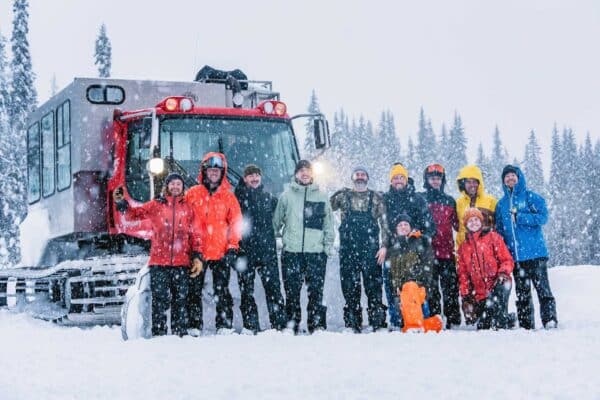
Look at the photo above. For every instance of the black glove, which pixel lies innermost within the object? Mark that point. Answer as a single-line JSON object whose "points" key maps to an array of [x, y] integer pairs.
{"points": [[230, 258]]}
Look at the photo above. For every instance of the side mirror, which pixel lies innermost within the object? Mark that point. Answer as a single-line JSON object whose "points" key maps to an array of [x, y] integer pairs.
{"points": [[321, 133]]}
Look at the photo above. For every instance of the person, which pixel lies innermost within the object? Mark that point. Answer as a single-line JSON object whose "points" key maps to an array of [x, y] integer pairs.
{"points": [[473, 194], [218, 218], [304, 214], [520, 215], [443, 212], [361, 253], [402, 198], [484, 267], [174, 245], [259, 251], [411, 260]]}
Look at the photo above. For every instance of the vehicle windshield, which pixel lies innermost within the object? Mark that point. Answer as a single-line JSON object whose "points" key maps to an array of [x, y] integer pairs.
{"points": [[267, 143]]}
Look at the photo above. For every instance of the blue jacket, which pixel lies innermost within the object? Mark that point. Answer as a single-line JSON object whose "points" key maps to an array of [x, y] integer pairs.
{"points": [[523, 236]]}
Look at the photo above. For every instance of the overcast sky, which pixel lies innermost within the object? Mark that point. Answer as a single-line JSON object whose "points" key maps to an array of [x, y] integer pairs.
{"points": [[520, 64]]}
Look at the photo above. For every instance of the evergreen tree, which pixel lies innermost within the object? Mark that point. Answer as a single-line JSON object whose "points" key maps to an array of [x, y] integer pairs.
{"points": [[498, 161], [410, 162], [22, 101], [586, 207], [457, 152], [484, 164], [53, 86], [388, 150], [595, 200], [425, 150], [6, 219], [444, 144], [555, 229], [309, 138], [103, 54], [532, 165]]}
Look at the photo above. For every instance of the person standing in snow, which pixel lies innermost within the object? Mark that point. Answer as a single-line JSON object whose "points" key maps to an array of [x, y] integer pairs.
{"points": [[402, 198], [473, 194], [174, 245], [411, 266], [520, 215], [443, 211], [362, 219], [484, 267], [218, 218], [304, 214], [258, 251]]}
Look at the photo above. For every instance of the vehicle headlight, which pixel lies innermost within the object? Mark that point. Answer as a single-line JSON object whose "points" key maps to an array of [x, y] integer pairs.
{"points": [[156, 166]]}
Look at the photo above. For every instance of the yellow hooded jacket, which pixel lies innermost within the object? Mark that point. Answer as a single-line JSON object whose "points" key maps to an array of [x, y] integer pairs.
{"points": [[486, 203]]}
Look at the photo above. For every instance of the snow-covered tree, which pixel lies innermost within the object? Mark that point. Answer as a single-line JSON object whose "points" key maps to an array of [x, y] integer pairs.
{"points": [[456, 151], [532, 165], [426, 144], [103, 54], [498, 160], [309, 138], [6, 220], [483, 162], [53, 86], [388, 150]]}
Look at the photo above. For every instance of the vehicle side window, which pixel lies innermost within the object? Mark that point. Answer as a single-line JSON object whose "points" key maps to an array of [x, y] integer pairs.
{"points": [[137, 179], [48, 162], [105, 94], [33, 163], [63, 145]]}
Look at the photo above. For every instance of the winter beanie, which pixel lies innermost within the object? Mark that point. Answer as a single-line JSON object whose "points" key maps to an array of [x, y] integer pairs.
{"points": [[472, 212], [508, 169], [252, 169], [401, 218], [302, 164], [359, 168], [398, 169], [172, 176]]}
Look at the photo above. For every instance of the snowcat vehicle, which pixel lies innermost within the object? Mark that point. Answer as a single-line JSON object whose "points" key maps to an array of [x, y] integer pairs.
{"points": [[80, 255]]}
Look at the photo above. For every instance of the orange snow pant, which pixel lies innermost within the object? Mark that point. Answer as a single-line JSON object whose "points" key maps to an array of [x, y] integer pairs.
{"points": [[412, 297]]}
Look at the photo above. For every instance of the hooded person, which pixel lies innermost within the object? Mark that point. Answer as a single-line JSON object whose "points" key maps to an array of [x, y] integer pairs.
{"points": [[443, 212], [473, 194], [259, 250], [401, 198], [361, 253], [304, 215], [484, 267], [218, 218], [411, 264], [175, 244], [520, 216]]}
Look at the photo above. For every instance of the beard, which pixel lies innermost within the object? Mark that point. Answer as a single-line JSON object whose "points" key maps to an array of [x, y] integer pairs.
{"points": [[360, 184]]}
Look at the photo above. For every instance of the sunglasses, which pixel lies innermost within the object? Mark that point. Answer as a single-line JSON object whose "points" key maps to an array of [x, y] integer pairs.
{"points": [[435, 168]]}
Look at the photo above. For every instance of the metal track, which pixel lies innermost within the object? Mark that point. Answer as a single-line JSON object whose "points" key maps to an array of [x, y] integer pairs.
{"points": [[79, 292]]}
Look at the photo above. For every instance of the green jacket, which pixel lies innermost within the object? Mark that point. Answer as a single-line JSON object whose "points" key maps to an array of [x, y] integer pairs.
{"points": [[411, 259], [305, 215]]}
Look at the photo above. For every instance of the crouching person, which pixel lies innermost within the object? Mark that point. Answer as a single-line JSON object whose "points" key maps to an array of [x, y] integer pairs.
{"points": [[484, 267], [411, 258], [174, 246]]}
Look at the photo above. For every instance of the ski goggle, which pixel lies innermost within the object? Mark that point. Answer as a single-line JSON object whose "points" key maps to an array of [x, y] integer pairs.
{"points": [[435, 168], [213, 162]]}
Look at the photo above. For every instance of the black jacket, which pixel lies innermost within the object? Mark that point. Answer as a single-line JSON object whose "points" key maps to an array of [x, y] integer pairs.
{"points": [[408, 201], [258, 236]]}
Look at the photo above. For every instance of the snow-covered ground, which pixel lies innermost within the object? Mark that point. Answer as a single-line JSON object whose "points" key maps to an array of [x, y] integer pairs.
{"points": [[40, 360]]}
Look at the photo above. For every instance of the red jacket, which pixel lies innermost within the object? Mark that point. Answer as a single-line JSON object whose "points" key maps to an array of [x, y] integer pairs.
{"points": [[443, 211], [173, 237], [218, 217], [480, 259]]}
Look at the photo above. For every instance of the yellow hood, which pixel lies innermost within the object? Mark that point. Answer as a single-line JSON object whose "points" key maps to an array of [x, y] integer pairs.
{"points": [[471, 172]]}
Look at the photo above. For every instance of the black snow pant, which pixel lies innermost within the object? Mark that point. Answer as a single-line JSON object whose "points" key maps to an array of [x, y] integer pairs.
{"points": [[525, 273], [170, 288], [220, 274], [351, 268], [269, 275], [296, 269], [444, 272], [493, 311]]}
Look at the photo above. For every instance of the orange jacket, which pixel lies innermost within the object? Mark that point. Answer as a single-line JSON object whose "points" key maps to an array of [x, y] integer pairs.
{"points": [[217, 216]]}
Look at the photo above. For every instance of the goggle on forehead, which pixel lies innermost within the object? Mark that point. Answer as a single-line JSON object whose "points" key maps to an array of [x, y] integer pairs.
{"points": [[213, 162], [435, 168]]}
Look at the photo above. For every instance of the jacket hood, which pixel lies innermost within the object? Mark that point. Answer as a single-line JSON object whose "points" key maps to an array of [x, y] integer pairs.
{"points": [[521, 185], [470, 172], [224, 182]]}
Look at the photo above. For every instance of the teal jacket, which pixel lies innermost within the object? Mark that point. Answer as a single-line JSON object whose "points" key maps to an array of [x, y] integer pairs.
{"points": [[305, 215]]}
